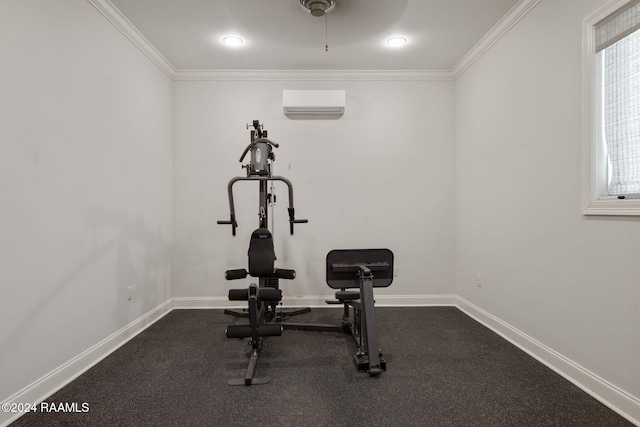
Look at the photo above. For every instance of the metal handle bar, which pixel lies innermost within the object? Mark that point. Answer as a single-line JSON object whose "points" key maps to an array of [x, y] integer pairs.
{"points": [[232, 209]]}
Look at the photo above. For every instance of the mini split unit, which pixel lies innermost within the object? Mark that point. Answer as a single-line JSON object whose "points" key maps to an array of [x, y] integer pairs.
{"points": [[313, 102]]}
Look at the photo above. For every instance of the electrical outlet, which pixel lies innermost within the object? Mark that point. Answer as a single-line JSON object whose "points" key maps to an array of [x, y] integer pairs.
{"points": [[129, 293], [478, 281]]}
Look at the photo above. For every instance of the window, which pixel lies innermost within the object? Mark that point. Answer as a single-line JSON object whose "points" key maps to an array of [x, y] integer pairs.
{"points": [[611, 78]]}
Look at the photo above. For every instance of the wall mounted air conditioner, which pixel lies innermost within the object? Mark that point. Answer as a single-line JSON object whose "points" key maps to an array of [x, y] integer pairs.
{"points": [[313, 102]]}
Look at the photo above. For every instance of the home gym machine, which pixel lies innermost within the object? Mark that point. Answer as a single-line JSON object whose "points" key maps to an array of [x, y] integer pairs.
{"points": [[263, 297], [259, 169], [354, 273], [364, 269]]}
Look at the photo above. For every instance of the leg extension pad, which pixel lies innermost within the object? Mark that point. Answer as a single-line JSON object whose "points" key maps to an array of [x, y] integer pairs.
{"points": [[264, 294], [244, 331]]}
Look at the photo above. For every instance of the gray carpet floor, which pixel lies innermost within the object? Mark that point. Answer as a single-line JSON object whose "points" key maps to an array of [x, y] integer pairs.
{"points": [[443, 369]]}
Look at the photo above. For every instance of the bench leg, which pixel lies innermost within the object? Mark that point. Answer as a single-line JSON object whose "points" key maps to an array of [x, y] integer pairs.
{"points": [[369, 333]]}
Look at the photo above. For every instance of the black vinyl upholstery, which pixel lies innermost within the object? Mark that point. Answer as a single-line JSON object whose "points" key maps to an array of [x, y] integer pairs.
{"points": [[261, 253]]}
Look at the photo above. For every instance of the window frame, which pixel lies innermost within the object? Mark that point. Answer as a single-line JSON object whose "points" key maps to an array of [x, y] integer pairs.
{"points": [[594, 157]]}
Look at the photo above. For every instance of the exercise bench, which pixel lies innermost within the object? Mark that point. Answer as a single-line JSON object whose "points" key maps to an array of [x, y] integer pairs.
{"points": [[363, 269], [260, 297]]}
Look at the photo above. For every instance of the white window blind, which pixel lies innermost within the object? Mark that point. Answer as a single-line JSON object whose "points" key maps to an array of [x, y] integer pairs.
{"points": [[618, 25], [618, 41]]}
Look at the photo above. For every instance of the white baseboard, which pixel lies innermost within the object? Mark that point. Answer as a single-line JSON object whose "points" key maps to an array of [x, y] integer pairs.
{"points": [[618, 400], [63, 375], [623, 403], [415, 300], [317, 301], [205, 302]]}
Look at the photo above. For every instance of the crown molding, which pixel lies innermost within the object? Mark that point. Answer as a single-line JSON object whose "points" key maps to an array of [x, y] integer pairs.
{"points": [[113, 15], [503, 26], [307, 75]]}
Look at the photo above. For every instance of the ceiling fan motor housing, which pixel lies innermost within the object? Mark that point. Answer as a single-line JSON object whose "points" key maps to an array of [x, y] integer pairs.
{"points": [[318, 7]]}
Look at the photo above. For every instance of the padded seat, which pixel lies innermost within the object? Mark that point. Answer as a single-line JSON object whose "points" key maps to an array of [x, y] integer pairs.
{"points": [[347, 295]]}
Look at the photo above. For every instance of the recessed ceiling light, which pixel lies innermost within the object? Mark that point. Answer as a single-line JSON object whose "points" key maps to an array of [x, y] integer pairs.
{"points": [[232, 41], [396, 41]]}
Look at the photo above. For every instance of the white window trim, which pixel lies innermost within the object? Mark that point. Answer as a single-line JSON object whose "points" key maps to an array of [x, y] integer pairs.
{"points": [[593, 162]]}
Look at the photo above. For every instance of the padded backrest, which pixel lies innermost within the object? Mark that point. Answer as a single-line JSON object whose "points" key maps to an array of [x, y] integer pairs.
{"points": [[261, 253], [343, 266]]}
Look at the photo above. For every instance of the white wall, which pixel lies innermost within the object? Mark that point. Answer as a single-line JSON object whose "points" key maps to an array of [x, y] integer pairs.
{"points": [[85, 178], [380, 176], [569, 281]]}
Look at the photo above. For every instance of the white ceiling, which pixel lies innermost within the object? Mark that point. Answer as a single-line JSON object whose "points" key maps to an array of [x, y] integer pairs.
{"points": [[280, 35]]}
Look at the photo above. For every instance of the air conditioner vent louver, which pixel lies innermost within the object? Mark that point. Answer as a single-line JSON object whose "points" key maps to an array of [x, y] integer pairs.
{"points": [[313, 102]]}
